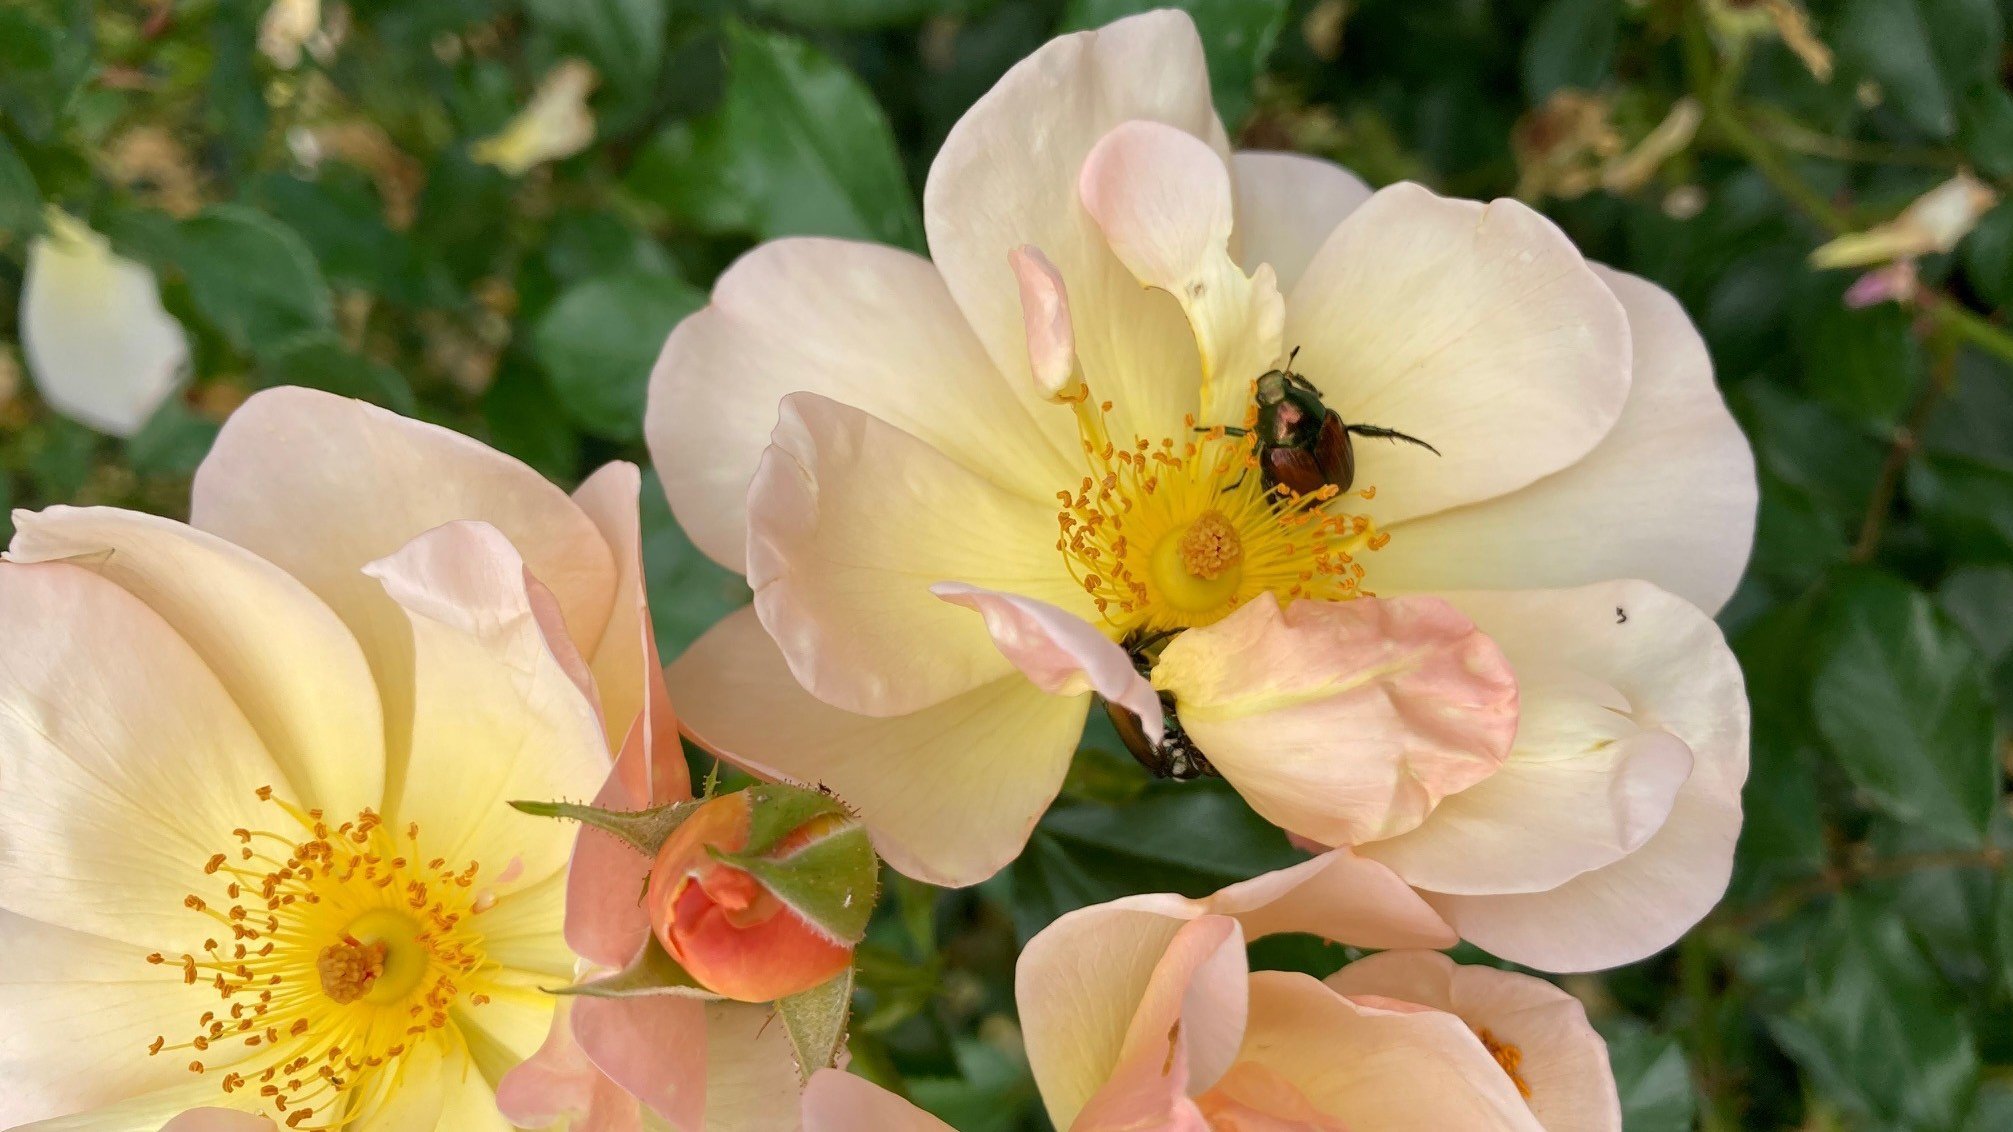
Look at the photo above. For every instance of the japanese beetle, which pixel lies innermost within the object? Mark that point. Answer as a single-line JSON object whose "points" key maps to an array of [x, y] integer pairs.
{"points": [[1176, 756], [1303, 445]]}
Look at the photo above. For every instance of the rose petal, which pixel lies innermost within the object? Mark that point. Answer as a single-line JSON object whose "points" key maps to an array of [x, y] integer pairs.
{"points": [[1061, 653]]}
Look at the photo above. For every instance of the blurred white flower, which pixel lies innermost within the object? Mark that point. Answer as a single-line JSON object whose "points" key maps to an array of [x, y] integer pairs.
{"points": [[557, 124], [286, 28], [1933, 222], [99, 346]]}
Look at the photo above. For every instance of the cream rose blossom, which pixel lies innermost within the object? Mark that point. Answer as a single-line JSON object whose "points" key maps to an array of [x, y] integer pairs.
{"points": [[1143, 1014], [1043, 425], [255, 861]]}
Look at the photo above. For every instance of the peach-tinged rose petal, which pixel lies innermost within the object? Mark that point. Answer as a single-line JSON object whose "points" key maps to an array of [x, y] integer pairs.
{"points": [[654, 1047], [1407, 1066], [1344, 721], [1286, 207], [1059, 652], [489, 694], [624, 659], [1337, 895], [868, 326], [286, 660], [1584, 787], [605, 922], [1162, 198], [852, 609], [837, 1101], [1559, 1059], [1672, 667], [559, 1084], [1668, 495], [976, 208], [1149, 1085], [1443, 319], [949, 794], [1252, 1098], [289, 453], [1106, 983], [1051, 339]]}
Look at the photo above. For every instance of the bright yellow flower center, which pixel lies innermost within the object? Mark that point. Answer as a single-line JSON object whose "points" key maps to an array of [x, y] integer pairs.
{"points": [[1176, 533], [343, 950]]}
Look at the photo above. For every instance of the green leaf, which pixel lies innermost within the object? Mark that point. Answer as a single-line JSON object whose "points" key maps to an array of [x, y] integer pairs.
{"points": [[1653, 1077], [855, 14], [1985, 129], [1924, 53], [251, 276], [797, 147], [599, 340], [20, 198], [1969, 503], [1900, 696], [1572, 45], [1774, 653], [653, 972], [172, 442], [1866, 363], [815, 1020], [778, 809], [318, 359], [624, 39], [642, 830], [1875, 1027], [1979, 599], [1237, 39], [1988, 254], [1088, 853]]}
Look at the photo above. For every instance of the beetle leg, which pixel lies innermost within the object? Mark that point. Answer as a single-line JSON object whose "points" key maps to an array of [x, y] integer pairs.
{"points": [[1391, 434]]}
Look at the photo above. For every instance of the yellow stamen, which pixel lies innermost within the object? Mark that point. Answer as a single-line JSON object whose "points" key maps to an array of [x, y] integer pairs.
{"points": [[1509, 1057], [1175, 533], [338, 953]]}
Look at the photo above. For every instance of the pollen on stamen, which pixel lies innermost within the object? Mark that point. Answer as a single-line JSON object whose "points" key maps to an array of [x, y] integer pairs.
{"points": [[309, 1006], [1145, 492]]}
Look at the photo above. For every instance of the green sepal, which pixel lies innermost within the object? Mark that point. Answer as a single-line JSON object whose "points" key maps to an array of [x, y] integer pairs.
{"points": [[778, 809], [816, 1022], [832, 882], [642, 830], [652, 972]]}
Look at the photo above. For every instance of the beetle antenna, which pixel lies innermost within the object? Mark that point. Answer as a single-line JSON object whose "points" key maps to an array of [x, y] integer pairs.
{"points": [[1290, 357], [1391, 434]]}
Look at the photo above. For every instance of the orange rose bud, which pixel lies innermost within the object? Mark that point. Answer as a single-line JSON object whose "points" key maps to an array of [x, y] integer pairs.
{"points": [[763, 893]]}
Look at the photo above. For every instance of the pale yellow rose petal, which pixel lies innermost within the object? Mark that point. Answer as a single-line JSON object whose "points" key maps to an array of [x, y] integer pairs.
{"points": [[1049, 111], [1287, 205], [127, 763], [950, 794], [852, 522], [1561, 1061], [286, 660], [495, 715], [1477, 328], [864, 325], [1668, 495], [1378, 1064]]}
